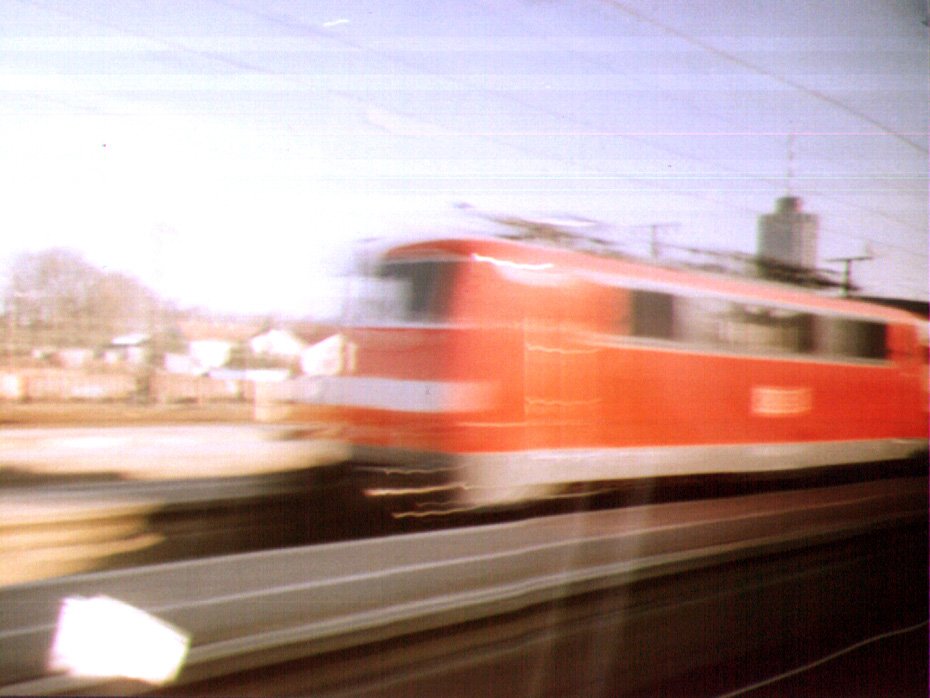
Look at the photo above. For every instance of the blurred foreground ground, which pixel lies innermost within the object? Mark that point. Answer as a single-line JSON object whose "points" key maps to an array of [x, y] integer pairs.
{"points": [[83, 486], [110, 414]]}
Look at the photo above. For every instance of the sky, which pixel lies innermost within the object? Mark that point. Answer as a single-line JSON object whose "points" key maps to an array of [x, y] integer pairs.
{"points": [[232, 153]]}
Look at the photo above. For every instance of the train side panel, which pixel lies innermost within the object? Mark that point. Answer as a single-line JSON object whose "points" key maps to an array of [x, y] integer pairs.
{"points": [[521, 371]]}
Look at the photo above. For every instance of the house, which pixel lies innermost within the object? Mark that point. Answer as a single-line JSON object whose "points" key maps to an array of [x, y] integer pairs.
{"points": [[327, 357], [127, 349], [210, 344], [277, 343], [324, 350], [74, 357]]}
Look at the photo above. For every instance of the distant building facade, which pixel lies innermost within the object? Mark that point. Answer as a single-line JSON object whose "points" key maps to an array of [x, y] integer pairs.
{"points": [[788, 235]]}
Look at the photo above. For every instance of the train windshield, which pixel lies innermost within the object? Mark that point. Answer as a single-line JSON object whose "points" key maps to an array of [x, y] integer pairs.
{"points": [[407, 291]]}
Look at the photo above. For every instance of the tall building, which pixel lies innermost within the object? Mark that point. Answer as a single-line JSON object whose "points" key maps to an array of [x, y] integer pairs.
{"points": [[789, 236]]}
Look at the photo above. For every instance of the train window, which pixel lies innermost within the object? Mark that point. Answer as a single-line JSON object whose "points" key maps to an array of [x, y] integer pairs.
{"points": [[732, 326], [422, 290], [761, 328], [702, 321], [652, 314], [860, 339], [798, 332], [719, 324]]}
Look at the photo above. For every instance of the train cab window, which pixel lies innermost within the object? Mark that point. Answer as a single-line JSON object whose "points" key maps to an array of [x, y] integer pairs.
{"points": [[418, 291], [845, 337], [652, 314]]}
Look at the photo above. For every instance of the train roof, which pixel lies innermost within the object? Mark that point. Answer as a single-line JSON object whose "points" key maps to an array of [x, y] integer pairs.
{"points": [[621, 270]]}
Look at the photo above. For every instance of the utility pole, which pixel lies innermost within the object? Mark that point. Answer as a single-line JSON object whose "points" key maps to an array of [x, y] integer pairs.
{"points": [[847, 269], [655, 244]]}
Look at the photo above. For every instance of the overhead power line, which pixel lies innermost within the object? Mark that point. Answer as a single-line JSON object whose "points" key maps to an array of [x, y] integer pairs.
{"points": [[255, 66], [847, 263], [748, 65]]}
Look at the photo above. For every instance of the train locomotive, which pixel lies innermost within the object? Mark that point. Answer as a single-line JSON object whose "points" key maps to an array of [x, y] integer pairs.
{"points": [[487, 372]]}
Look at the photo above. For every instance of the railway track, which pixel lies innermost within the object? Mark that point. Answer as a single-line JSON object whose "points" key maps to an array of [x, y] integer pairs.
{"points": [[250, 611], [142, 495]]}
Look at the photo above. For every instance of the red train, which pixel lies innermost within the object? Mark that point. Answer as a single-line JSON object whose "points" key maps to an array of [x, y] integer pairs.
{"points": [[494, 371]]}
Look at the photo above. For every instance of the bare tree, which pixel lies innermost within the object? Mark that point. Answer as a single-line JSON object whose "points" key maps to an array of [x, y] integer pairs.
{"points": [[57, 297]]}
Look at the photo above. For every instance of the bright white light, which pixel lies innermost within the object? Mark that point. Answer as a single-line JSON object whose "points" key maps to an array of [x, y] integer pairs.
{"points": [[105, 638], [511, 265]]}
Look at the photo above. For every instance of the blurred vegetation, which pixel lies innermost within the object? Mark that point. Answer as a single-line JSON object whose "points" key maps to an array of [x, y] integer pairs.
{"points": [[56, 298]]}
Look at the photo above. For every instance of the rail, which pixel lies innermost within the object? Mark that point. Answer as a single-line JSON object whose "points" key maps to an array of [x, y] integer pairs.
{"points": [[262, 608]]}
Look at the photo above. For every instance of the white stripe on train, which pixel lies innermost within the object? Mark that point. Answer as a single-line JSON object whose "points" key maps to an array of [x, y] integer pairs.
{"points": [[397, 395]]}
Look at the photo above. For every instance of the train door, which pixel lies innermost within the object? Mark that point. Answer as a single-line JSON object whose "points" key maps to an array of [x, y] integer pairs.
{"points": [[560, 382], [542, 370]]}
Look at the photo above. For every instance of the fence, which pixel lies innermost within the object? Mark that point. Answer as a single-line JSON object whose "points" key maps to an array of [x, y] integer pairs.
{"points": [[176, 387], [65, 385]]}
